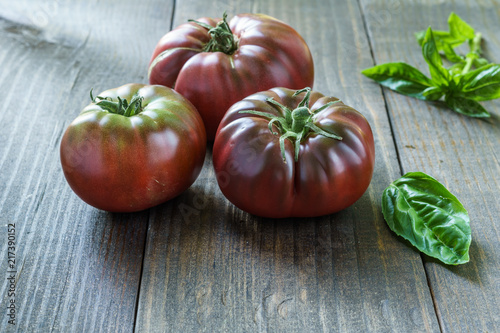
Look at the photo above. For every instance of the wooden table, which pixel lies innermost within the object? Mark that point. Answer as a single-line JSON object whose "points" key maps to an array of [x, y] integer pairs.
{"points": [[197, 263]]}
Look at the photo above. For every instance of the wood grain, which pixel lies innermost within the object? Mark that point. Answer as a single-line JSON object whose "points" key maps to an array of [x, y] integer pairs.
{"points": [[210, 267], [462, 153], [197, 263], [78, 269]]}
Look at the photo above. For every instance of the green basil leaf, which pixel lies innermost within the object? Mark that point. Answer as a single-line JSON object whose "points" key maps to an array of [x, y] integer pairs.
{"points": [[432, 93], [440, 38], [445, 41], [459, 28], [456, 69], [480, 62], [466, 106], [420, 36], [421, 210], [450, 53], [400, 77], [431, 55], [481, 84]]}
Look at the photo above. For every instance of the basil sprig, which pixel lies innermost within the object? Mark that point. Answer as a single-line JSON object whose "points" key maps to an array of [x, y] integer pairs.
{"points": [[468, 80], [421, 210]]}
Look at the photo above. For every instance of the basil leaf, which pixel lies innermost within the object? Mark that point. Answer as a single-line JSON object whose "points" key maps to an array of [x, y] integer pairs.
{"points": [[432, 93], [450, 53], [420, 36], [420, 209], [441, 38], [400, 77], [480, 62], [431, 55], [466, 106], [459, 28], [481, 84], [456, 69], [445, 41]]}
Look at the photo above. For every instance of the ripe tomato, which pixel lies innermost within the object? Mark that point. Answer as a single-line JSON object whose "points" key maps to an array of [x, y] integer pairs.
{"points": [[284, 153], [135, 147], [215, 64]]}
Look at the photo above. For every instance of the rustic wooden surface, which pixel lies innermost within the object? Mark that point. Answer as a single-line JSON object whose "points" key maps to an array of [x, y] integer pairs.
{"points": [[197, 263]]}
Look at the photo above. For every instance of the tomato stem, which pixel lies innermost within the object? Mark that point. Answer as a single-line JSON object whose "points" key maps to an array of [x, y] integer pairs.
{"points": [[121, 106], [296, 124], [222, 38]]}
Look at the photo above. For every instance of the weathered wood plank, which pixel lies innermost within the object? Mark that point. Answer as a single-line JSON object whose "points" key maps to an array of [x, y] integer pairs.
{"points": [[78, 269], [460, 152], [211, 267], [208, 266]]}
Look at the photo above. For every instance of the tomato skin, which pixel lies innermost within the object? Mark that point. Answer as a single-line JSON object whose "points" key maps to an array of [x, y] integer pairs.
{"points": [[125, 164], [270, 54], [328, 176]]}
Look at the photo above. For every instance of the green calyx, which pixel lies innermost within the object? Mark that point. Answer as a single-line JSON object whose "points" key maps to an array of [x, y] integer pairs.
{"points": [[121, 107], [222, 38], [296, 124]]}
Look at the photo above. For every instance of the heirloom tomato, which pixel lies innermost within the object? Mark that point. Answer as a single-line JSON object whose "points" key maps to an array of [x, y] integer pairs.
{"points": [[214, 63], [285, 153], [134, 147]]}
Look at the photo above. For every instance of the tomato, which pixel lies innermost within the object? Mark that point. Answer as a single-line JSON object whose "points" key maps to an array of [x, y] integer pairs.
{"points": [[285, 153], [215, 64], [123, 159]]}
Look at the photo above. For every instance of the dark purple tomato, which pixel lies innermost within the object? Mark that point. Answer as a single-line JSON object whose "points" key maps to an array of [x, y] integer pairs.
{"points": [[214, 63], [285, 153], [134, 147]]}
